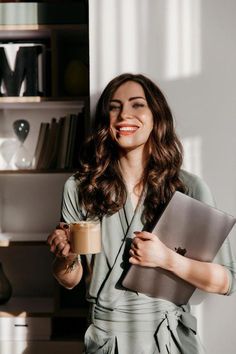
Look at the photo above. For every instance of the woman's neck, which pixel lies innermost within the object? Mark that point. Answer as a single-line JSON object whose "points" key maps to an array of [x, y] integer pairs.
{"points": [[132, 165]]}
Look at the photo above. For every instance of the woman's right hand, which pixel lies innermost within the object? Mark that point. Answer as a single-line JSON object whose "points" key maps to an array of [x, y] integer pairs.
{"points": [[59, 240], [67, 267]]}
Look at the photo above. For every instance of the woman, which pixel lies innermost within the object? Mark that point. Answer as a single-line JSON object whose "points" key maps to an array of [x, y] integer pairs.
{"points": [[130, 170]]}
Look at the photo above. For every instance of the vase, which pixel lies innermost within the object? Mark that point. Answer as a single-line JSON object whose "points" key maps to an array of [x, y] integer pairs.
{"points": [[5, 287]]}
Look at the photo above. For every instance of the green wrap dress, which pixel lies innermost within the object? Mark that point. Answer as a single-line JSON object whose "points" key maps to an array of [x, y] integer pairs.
{"points": [[127, 322]]}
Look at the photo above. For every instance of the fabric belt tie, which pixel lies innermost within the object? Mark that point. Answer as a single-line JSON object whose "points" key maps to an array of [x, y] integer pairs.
{"points": [[164, 327], [167, 328]]}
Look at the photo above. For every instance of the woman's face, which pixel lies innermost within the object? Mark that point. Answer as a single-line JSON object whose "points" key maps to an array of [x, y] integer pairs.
{"points": [[131, 120]]}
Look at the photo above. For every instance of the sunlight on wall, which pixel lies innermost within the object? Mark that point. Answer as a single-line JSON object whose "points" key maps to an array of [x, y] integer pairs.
{"points": [[193, 154], [113, 40], [183, 38], [161, 39], [193, 163]]}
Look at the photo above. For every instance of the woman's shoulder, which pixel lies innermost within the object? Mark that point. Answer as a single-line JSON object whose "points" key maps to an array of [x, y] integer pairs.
{"points": [[196, 187], [71, 183], [71, 209], [71, 187]]}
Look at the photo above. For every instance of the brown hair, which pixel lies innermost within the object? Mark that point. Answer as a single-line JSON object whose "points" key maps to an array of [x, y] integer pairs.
{"points": [[102, 190]]}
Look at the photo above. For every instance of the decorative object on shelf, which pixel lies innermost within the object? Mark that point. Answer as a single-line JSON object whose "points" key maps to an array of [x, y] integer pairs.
{"points": [[23, 158], [5, 287], [76, 78], [7, 150], [22, 69]]}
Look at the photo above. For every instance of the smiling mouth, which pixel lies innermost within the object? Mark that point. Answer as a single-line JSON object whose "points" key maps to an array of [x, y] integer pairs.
{"points": [[127, 130]]}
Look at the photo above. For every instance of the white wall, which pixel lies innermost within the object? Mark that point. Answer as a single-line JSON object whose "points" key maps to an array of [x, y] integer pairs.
{"points": [[188, 47]]}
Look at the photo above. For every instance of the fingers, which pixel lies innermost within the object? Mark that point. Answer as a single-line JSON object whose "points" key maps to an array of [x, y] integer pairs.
{"points": [[144, 235], [136, 248], [134, 253], [140, 238], [134, 260], [56, 236], [58, 240], [138, 245], [65, 227]]}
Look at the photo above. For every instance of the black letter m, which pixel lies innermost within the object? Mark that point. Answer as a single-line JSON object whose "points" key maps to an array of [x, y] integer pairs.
{"points": [[26, 67]]}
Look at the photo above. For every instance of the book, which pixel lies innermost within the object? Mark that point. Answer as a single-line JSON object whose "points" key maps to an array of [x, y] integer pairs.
{"points": [[48, 145], [39, 150], [71, 140], [63, 143], [52, 147]]}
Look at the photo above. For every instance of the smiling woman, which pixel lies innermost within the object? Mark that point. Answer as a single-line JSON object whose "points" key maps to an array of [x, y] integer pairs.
{"points": [[129, 170], [131, 120], [134, 144]]}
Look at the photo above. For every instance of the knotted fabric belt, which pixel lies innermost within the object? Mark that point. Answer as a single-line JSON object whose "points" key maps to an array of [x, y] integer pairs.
{"points": [[167, 328], [163, 325]]}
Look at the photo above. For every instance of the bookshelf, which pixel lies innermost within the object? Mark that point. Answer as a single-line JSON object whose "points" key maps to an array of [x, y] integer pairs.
{"points": [[30, 199]]}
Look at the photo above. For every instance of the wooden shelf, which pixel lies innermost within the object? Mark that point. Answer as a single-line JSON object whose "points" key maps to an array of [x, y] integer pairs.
{"points": [[13, 238], [64, 32], [38, 102], [46, 28], [36, 171]]}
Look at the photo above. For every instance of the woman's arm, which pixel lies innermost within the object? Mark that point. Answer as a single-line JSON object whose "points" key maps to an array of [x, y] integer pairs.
{"points": [[68, 271], [67, 268], [148, 250]]}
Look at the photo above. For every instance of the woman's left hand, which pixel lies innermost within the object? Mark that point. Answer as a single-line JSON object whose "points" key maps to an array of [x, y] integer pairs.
{"points": [[147, 250]]}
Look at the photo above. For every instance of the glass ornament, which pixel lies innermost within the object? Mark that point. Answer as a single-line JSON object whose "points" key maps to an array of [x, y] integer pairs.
{"points": [[7, 149], [23, 158]]}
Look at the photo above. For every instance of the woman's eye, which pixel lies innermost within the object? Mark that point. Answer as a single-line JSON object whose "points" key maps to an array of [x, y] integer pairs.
{"points": [[138, 105], [114, 108]]}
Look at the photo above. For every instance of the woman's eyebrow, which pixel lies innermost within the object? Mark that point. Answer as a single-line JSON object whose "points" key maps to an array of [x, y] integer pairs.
{"points": [[134, 98], [130, 99]]}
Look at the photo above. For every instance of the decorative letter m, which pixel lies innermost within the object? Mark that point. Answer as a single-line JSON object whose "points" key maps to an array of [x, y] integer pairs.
{"points": [[25, 70]]}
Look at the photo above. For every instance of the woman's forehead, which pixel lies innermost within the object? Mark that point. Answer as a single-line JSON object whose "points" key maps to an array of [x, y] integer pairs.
{"points": [[127, 90]]}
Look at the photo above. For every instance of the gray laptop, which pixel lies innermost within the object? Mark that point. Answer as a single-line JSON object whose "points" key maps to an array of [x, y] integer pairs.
{"points": [[191, 228]]}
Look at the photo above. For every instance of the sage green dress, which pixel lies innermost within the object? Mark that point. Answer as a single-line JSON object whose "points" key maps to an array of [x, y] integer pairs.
{"points": [[126, 322]]}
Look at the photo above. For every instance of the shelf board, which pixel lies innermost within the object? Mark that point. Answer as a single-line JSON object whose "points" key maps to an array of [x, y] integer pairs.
{"points": [[42, 102], [15, 238], [47, 28], [27, 306], [25, 99], [37, 171]]}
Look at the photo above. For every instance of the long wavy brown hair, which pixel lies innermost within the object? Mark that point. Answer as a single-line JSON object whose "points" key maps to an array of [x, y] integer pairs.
{"points": [[102, 190]]}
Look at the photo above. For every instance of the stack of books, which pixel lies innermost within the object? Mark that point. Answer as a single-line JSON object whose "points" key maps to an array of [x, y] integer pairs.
{"points": [[58, 142]]}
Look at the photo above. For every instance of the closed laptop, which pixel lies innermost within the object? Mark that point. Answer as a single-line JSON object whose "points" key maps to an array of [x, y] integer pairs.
{"points": [[191, 228]]}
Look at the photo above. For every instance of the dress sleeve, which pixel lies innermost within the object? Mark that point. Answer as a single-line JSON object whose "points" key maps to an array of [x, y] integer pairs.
{"points": [[225, 257], [71, 210]]}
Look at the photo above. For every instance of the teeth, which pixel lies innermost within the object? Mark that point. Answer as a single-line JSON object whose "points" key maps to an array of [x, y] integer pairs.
{"points": [[127, 128]]}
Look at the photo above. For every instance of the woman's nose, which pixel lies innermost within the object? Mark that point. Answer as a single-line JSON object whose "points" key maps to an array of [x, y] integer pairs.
{"points": [[125, 112]]}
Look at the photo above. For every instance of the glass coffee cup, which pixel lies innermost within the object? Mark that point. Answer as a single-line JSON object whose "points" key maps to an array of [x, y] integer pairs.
{"points": [[85, 237]]}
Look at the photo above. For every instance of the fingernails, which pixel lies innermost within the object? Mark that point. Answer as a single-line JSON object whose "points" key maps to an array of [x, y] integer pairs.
{"points": [[65, 226], [136, 232]]}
